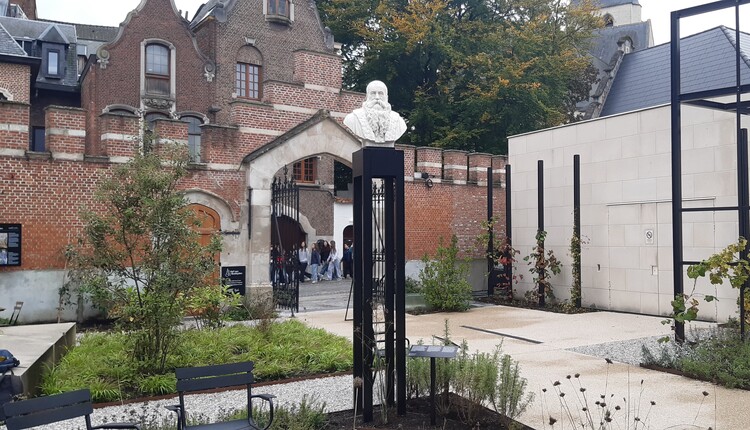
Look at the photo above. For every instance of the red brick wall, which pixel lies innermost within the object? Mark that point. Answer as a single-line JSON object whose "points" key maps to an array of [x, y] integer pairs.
{"points": [[478, 164], [316, 68], [122, 76], [119, 134], [45, 197], [14, 123], [16, 79], [65, 129]]}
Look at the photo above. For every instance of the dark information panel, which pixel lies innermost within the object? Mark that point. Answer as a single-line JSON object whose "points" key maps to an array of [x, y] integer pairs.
{"points": [[10, 244], [234, 278]]}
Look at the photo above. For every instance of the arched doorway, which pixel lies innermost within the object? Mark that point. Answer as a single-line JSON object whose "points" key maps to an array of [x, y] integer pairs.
{"points": [[318, 135], [209, 224], [349, 235]]}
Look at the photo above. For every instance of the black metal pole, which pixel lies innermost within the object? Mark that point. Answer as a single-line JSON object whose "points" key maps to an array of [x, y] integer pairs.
{"points": [[577, 222], [491, 242], [433, 405], [508, 229], [540, 230], [676, 124], [742, 167], [401, 351], [744, 216], [358, 287]]}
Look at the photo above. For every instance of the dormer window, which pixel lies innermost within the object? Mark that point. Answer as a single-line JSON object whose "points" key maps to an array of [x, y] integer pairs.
{"points": [[281, 11], [157, 69], [53, 60]]}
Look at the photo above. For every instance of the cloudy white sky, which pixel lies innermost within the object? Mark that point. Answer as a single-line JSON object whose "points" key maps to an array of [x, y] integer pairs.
{"points": [[113, 12]]}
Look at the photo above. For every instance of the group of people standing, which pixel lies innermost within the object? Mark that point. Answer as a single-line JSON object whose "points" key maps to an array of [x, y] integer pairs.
{"points": [[325, 261]]}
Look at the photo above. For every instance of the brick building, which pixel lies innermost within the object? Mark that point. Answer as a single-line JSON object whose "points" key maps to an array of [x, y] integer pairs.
{"points": [[252, 87]]}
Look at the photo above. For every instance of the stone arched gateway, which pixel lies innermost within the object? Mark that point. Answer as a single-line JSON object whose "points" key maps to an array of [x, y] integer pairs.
{"points": [[319, 135]]}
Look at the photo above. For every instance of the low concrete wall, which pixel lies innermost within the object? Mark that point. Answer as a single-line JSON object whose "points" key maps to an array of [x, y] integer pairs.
{"points": [[37, 347]]}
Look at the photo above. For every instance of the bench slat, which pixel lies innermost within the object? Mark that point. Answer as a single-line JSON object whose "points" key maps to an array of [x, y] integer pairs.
{"points": [[214, 382], [48, 402], [42, 417], [221, 369]]}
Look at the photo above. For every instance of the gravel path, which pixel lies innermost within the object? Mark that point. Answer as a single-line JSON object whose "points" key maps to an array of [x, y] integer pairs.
{"points": [[335, 391]]}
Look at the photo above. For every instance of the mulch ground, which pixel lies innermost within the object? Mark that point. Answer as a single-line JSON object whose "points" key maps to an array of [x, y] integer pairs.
{"points": [[418, 417]]}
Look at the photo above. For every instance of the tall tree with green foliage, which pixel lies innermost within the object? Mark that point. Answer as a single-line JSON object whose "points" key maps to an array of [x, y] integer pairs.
{"points": [[139, 256], [468, 73]]}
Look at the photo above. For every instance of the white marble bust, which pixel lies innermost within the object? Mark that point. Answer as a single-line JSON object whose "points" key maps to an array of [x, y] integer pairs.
{"points": [[375, 123]]}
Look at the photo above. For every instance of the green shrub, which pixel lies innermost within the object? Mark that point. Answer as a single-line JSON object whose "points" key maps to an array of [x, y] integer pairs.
{"points": [[209, 303], [444, 281], [412, 286]]}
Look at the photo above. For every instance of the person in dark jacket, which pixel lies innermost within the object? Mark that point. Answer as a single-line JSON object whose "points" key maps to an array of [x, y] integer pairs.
{"points": [[314, 262], [346, 261]]}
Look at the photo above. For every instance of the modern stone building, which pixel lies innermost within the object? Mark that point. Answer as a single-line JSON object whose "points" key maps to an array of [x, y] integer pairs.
{"points": [[626, 180]]}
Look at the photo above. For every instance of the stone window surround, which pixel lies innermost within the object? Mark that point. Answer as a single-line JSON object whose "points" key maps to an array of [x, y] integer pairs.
{"points": [[172, 65], [289, 18], [6, 95]]}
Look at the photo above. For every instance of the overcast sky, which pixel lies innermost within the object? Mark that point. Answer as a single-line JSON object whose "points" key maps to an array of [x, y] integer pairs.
{"points": [[111, 13]]}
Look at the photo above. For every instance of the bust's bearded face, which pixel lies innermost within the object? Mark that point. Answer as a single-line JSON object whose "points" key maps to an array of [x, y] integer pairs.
{"points": [[377, 98]]}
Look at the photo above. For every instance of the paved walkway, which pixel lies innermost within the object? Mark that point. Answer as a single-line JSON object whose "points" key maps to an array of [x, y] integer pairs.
{"points": [[540, 342]]}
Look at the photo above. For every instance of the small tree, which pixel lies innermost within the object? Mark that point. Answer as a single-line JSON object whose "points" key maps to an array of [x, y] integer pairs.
{"points": [[503, 255], [543, 264], [444, 281], [139, 256]]}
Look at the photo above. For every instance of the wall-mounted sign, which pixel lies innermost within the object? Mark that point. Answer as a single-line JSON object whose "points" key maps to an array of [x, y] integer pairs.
{"points": [[10, 244], [649, 234], [234, 278]]}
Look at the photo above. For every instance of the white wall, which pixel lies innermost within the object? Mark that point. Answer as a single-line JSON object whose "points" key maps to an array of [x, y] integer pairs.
{"points": [[343, 215], [625, 193]]}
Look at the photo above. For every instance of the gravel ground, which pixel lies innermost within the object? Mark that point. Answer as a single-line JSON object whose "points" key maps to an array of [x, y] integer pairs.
{"points": [[630, 351], [335, 391]]}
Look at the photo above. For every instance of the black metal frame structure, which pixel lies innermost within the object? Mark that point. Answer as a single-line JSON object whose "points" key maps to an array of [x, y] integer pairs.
{"points": [[702, 99], [379, 275], [284, 262], [577, 222], [540, 228]]}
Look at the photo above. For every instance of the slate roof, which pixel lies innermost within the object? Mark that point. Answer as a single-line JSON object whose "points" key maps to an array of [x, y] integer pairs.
{"points": [[209, 8], [8, 45], [26, 28], [90, 32], [606, 39], [708, 62], [609, 3]]}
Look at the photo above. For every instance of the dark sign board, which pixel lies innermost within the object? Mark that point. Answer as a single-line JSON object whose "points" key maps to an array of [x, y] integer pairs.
{"points": [[234, 278], [10, 244]]}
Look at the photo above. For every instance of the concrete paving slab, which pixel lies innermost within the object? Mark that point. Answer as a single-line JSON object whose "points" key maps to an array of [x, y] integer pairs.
{"points": [[678, 401]]}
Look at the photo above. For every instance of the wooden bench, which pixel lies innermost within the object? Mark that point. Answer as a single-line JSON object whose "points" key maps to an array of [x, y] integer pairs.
{"points": [[193, 379], [51, 409]]}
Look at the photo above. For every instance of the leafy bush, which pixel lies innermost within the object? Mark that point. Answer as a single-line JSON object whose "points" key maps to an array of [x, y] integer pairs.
{"points": [[208, 304], [102, 360], [412, 286], [721, 357], [482, 378], [444, 281]]}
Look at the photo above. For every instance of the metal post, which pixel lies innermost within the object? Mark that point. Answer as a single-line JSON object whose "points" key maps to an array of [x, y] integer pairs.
{"points": [[358, 287], [577, 220], [368, 334], [508, 228], [743, 190], [401, 352], [433, 405], [742, 167], [676, 124], [540, 229], [490, 243]]}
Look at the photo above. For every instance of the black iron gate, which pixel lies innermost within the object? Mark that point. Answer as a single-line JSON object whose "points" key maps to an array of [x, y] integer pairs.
{"points": [[285, 240]]}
